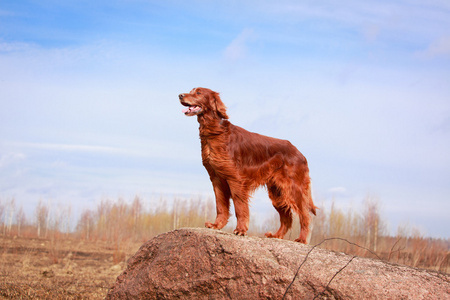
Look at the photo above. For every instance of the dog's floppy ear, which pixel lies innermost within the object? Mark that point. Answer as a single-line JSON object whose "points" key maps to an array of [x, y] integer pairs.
{"points": [[221, 109]]}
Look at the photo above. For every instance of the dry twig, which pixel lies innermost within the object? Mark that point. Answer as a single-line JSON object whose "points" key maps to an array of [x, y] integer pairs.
{"points": [[306, 257]]}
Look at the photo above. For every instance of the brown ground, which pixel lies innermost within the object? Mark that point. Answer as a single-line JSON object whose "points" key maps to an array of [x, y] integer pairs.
{"points": [[64, 269]]}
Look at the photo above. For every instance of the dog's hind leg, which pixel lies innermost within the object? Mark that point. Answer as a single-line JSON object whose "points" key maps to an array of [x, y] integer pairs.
{"points": [[304, 207], [284, 210]]}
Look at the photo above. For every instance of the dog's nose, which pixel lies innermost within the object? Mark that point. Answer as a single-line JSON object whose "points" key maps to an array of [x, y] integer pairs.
{"points": [[181, 96]]}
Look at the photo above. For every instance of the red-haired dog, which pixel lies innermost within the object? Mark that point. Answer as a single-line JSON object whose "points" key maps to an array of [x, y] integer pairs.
{"points": [[239, 161]]}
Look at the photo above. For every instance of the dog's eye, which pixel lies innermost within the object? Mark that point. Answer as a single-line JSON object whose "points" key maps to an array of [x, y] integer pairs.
{"points": [[198, 93]]}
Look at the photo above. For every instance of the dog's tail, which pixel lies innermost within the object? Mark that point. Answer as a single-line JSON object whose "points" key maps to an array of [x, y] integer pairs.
{"points": [[312, 207]]}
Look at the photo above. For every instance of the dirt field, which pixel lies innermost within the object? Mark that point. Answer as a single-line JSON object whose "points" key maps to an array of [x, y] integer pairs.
{"points": [[63, 269]]}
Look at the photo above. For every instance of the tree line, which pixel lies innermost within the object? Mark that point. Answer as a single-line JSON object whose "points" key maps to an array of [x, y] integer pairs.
{"points": [[120, 221]]}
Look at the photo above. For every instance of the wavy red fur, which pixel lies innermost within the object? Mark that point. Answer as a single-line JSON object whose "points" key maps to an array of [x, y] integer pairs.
{"points": [[239, 161]]}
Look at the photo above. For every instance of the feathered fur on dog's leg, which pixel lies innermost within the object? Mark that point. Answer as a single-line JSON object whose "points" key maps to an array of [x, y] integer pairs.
{"points": [[222, 193]]}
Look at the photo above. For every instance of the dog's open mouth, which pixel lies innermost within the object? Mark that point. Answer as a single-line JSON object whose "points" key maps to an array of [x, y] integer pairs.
{"points": [[191, 110]]}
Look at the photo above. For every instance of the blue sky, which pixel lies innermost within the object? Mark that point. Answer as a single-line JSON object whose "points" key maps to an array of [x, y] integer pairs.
{"points": [[89, 108]]}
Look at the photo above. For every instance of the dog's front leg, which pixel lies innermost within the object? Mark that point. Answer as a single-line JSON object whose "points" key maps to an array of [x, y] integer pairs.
{"points": [[222, 193], [242, 215], [240, 199]]}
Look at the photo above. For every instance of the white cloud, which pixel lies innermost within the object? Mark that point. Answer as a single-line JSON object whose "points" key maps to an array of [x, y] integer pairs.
{"points": [[338, 190], [14, 46], [70, 147], [237, 49], [9, 158], [156, 149], [439, 47], [371, 32]]}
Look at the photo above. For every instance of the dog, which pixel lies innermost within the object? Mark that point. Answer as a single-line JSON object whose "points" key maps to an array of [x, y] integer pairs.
{"points": [[239, 161]]}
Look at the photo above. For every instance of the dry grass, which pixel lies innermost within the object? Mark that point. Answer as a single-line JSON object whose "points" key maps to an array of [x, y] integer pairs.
{"points": [[65, 269]]}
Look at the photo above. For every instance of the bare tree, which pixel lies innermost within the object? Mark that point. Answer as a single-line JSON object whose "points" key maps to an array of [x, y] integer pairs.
{"points": [[2, 211], [42, 217], [136, 214], [20, 220], [372, 222], [102, 216], [85, 225], [68, 216], [7, 225]]}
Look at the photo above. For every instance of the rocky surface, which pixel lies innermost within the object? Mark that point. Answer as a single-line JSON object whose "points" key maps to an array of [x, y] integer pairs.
{"points": [[207, 264]]}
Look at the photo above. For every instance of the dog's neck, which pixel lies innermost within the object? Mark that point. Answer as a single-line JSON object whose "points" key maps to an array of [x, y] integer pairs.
{"points": [[210, 127]]}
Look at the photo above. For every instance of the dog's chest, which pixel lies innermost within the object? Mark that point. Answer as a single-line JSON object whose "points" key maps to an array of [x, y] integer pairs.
{"points": [[206, 152], [213, 155]]}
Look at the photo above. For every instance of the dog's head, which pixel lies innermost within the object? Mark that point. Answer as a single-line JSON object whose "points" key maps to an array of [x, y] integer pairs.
{"points": [[202, 101]]}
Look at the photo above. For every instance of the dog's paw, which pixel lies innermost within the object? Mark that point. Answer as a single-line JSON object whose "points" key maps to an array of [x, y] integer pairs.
{"points": [[239, 232], [269, 235], [272, 236], [211, 225], [301, 240]]}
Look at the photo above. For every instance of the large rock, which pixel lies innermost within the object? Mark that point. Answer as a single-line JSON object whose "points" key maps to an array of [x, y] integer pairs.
{"points": [[208, 264]]}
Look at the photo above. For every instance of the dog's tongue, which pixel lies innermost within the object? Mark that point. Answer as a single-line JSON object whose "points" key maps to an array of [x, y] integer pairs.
{"points": [[190, 109]]}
